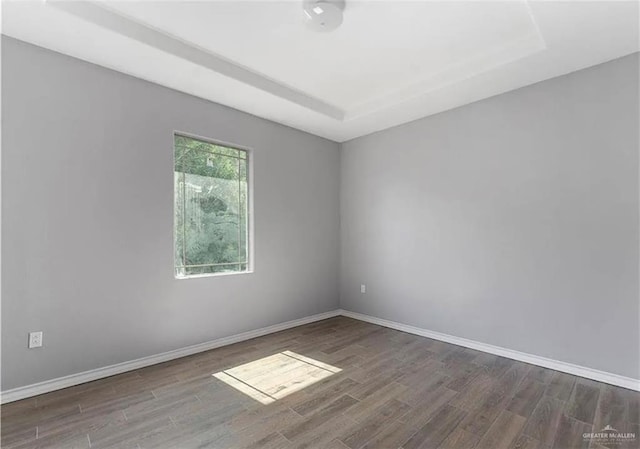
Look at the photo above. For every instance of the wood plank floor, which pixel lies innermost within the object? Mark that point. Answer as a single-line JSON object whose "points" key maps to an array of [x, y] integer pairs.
{"points": [[338, 383]]}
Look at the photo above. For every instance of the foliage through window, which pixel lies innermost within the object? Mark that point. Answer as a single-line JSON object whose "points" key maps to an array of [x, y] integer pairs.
{"points": [[211, 208]]}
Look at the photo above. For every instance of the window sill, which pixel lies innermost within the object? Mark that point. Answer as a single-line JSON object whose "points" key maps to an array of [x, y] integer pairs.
{"points": [[209, 275]]}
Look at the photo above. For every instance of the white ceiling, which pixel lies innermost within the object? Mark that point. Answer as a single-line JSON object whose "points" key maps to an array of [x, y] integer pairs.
{"points": [[390, 62]]}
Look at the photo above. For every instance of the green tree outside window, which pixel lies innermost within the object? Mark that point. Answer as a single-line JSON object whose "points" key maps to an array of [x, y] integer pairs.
{"points": [[211, 208]]}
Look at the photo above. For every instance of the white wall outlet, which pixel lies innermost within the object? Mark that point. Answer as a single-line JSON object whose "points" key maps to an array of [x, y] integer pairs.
{"points": [[363, 288], [35, 340]]}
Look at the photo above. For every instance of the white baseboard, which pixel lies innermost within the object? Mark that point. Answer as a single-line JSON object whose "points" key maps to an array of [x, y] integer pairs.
{"points": [[99, 373], [576, 370]]}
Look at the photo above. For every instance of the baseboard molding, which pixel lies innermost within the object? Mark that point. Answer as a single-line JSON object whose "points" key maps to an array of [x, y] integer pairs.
{"points": [[47, 386], [27, 391], [576, 370]]}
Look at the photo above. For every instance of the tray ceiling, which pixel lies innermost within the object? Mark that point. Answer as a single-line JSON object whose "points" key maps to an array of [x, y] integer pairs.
{"points": [[390, 62]]}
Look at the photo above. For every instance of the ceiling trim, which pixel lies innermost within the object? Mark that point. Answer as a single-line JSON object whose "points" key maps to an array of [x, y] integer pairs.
{"points": [[456, 73], [99, 15], [520, 47], [559, 38]]}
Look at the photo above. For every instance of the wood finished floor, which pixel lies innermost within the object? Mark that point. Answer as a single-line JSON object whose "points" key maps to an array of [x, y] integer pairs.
{"points": [[380, 388]]}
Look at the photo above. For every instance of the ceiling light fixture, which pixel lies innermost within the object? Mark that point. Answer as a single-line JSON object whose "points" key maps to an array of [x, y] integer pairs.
{"points": [[323, 15]]}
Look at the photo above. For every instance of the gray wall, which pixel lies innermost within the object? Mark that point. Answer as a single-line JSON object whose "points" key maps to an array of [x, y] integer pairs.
{"points": [[87, 208], [512, 221]]}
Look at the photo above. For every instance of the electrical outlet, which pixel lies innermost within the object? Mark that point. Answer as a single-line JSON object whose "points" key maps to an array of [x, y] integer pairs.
{"points": [[35, 340], [363, 288]]}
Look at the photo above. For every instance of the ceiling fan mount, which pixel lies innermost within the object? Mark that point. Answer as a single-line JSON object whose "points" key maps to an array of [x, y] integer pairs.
{"points": [[323, 15]]}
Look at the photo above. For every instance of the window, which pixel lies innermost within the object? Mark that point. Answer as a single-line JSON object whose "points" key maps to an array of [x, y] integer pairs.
{"points": [[211, 208]]}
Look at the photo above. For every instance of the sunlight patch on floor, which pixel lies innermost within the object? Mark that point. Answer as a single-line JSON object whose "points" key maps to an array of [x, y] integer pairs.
{"points": [[271, 378]]}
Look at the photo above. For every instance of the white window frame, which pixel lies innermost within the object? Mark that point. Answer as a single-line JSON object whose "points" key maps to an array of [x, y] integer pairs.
{"points": [[250, 228]]}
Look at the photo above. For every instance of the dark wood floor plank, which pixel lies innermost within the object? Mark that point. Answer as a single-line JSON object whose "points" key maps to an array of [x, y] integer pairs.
{"points": [[443, 348], [344, 360], [371, 403], [249, 435], [18, 407], [474, 392], [375, 423], [525, 442], [462, 375], [324, 397], [570, 434], [117, 403], [509, 382], [437, 429], [583, 401], [56, 441], [611, 409], [460, 439], [422, 412], [634, 428], [103, 388], [633, 406], [156, 407], [352, 339], [392, 436], [376, 383], [527, 396], [504, 431], [324, 435], [418, 373], [186, 436], [338, 406], [18, 436], [385, 389], [498, 367], [384, 371], [561, 386], [416, 351], [82, 423], [272, 441], [543, 375], [482, 417], [485, 359], [22, 422], [543, 422], [420, 393], [128, 433]]}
